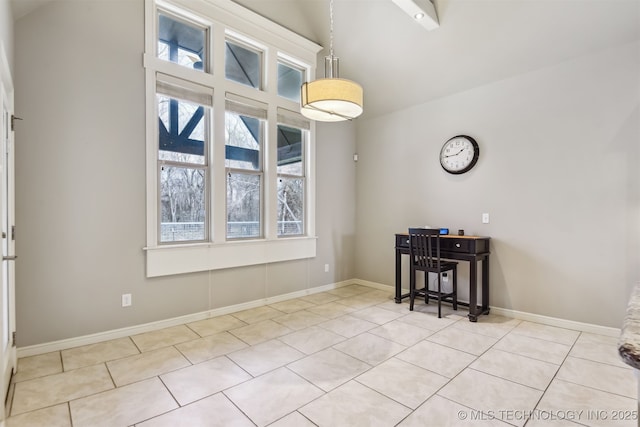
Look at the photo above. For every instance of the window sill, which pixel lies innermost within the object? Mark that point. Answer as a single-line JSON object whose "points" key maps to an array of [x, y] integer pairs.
{"points": [[190, 258]]}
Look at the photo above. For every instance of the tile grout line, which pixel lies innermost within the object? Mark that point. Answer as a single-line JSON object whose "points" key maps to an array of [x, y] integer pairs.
{"points": [[554, 377], [477, 357]]}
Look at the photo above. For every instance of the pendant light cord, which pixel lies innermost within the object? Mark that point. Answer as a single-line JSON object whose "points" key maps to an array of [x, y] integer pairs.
{"points": [[331, 65], [331, 28]]}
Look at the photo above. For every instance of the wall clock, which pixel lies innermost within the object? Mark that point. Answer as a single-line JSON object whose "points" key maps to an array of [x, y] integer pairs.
{"points": [[459, 154]]}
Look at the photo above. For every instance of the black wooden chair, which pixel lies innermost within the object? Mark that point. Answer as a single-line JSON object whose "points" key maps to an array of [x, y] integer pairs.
{"points": [[424, 251]]}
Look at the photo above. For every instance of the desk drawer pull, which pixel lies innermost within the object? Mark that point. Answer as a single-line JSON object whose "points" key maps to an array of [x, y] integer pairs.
{"points": [[407, 242], [457, 245]]}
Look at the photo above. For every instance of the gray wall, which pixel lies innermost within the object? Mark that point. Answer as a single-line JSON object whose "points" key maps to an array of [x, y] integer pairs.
{"points": [[6, 31], [80, 162], [81, 182], [558, 172]]}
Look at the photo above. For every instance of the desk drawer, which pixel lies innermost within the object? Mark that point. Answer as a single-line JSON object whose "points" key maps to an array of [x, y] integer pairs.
{"points": [[457, 245], [464, 245], [467, 246], [402, 241]]}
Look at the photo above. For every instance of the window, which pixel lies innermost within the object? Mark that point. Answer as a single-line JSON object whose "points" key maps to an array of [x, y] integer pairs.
{"points": [[290, 80], [291, 181], [244, 135], [183, 141], [243, 64], [230, 161], [181, 42]]}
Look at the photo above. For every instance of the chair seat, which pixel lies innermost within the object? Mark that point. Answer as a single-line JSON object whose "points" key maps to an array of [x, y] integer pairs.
{"points": [[444, 266]]}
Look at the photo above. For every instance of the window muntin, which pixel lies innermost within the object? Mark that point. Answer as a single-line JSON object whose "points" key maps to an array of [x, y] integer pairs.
{"points": [[181, 42], [243, 64], [289, 81]]}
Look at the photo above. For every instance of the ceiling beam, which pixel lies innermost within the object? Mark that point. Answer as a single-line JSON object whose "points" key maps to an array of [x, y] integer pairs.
{"points": [[421, 11]]}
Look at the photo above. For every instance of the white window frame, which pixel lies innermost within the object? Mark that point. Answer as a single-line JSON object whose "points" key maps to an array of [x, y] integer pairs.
{"points": [[226, 19]]}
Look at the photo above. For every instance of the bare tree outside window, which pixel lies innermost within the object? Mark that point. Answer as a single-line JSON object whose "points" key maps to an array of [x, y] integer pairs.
{"points": [[182, 201], [291, 181]]}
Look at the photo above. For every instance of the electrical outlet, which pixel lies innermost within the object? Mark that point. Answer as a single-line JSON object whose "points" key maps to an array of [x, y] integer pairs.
{"points": [[445, 277], [126, 300], [485, 218], [326, 268]]}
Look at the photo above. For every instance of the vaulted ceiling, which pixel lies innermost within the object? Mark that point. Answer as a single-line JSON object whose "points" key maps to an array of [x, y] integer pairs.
{"points": [[400, 64]]}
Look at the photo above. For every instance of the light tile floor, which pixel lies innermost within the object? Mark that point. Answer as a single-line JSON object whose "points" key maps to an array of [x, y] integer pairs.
{"points": [[347, 357]]}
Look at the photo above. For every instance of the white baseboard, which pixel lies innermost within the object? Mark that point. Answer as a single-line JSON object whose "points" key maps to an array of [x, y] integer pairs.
{"points": [[554, 321], [514, 314], [65, 344], [375, 285], [152, 326]]}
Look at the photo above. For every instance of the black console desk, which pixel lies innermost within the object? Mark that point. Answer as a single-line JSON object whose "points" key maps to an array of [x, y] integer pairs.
{"points": [[460, 248]]}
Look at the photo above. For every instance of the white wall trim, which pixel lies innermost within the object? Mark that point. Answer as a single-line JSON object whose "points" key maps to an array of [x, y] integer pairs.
{"points": [[375, 285], [178, 259], [36, 349], [152, 326], [554, 321]]}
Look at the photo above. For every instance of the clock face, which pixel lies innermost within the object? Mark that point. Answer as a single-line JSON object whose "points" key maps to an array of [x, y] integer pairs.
{"points": [[459, 154]]}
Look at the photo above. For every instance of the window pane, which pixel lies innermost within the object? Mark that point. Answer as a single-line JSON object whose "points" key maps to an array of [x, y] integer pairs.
{"points": [[181, 130], [290, 151], [290, 206], [243, 205], [180, 42], [243, 65], [243, 135], [182, 204], [289, 82]]}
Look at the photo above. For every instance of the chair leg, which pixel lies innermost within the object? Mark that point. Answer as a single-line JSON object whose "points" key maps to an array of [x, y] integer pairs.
{"points": [[426, 287], [412, 288], [439, 296], [455, 288]]}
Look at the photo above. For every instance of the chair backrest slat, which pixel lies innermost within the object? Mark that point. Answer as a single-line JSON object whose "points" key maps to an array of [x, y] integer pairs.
{"points": [[424, 247]]}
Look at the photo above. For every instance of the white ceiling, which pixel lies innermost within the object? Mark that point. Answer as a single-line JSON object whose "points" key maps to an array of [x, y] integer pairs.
{"points": [[400, 64]]}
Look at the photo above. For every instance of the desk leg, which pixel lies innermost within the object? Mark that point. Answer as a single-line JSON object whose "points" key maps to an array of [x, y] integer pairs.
{"points": [[485, 285], [398, 277], [473, 291]]}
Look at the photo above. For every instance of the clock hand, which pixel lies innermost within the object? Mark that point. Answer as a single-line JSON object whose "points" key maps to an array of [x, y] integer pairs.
{"points": [[453, 155]]}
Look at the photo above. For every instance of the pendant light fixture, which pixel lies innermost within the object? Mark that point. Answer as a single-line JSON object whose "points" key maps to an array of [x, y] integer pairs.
{"points": [[331, 99]]}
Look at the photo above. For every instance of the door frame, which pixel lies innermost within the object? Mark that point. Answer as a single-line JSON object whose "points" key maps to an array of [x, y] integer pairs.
{"points": [[8, 358]]}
